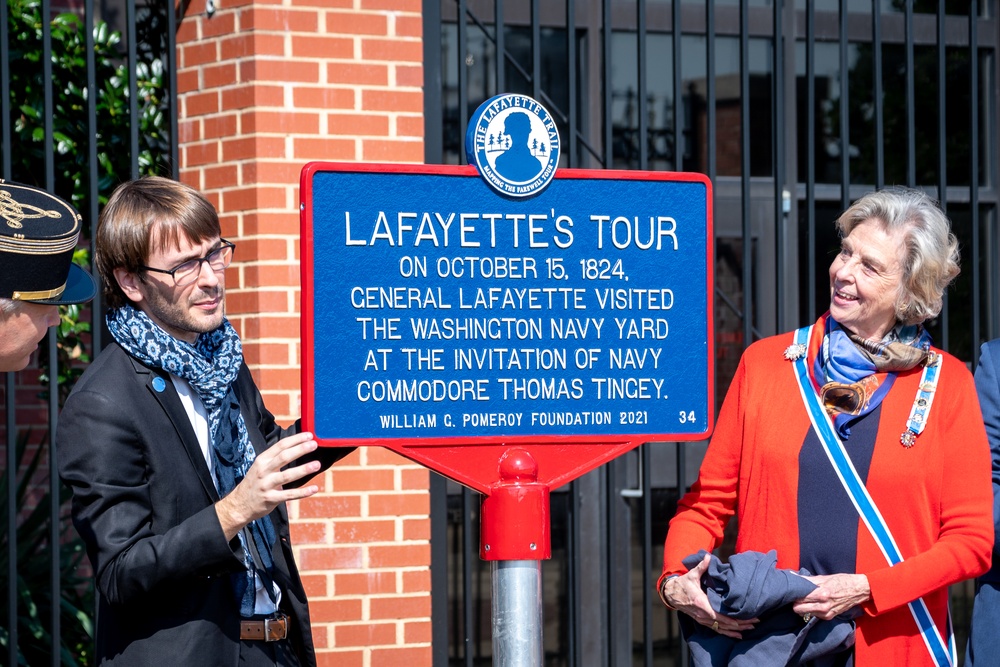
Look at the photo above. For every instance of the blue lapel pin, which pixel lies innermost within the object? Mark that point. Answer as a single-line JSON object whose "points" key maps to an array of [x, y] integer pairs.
{"points": [[159, 384]]}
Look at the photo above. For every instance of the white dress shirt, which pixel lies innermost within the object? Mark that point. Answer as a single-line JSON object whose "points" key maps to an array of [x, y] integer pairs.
{"points": [[199, 422]]}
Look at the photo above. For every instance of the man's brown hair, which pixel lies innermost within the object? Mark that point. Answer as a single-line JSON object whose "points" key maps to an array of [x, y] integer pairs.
{"points": [[144, 212]]}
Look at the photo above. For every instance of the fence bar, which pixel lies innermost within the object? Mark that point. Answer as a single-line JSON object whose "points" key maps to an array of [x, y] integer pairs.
{"points": [[53, 370], [54, 499], [9, 386], [175, 165], [133, 89], [47, 122], [611, 502], [438, 491], [747, 229], [433, 113], [811, 158], [681, 456], [974, 173], [710, 89], [536, 50], [845, 135], [571, 57], [463, 77], [642, 70], [680, 451], [434, 152], [498, 38], [676, 42], [942, 168], [11, 474], [778, 141], [5, 158], [608, 118], [877, 94], [93, 201], [573, 577], [942, 147], [911, 112], [647, 554], [470, 631]]}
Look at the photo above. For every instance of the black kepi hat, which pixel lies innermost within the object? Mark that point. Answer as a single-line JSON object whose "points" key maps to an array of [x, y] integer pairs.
{"points": [[38, 234]]}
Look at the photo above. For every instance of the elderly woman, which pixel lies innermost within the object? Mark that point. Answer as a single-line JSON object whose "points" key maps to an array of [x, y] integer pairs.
{"points": [[853, 449]]}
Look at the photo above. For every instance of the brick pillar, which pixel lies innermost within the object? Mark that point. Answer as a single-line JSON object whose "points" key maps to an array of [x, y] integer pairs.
{"points": [[264, 89]]}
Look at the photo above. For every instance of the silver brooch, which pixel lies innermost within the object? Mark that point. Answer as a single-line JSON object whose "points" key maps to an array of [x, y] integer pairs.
{"points": [[793, 352], [908, 438]]}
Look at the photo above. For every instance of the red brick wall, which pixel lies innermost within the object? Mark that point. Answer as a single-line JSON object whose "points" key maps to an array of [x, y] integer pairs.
{"points": [[264, 89]]}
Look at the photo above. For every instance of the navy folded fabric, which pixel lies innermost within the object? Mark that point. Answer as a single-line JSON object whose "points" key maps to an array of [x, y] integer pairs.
{"points": [[749, 586]]}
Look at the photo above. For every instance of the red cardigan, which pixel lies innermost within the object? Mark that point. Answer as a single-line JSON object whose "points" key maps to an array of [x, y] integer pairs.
{"points": [[936, 497]]}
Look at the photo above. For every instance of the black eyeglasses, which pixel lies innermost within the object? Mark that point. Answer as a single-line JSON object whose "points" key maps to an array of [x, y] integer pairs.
{"points": [[187, 272]]}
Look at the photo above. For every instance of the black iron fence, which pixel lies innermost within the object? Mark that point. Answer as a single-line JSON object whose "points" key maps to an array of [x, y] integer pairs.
{"points": [[86, 101], [793, 108]]}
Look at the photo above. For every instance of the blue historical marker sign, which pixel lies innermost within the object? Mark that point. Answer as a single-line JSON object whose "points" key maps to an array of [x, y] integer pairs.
{"points": [[437, 310]]}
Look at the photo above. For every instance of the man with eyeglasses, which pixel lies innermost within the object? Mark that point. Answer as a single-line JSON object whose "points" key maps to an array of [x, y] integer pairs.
{"points": [[179, 473]]}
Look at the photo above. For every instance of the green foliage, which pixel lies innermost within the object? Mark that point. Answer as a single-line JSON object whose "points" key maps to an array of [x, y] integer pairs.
{"points": [[34, 599], [72, 137]]}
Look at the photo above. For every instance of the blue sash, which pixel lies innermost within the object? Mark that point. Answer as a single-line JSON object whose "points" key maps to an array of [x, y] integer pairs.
{"points": [[943, 653]]}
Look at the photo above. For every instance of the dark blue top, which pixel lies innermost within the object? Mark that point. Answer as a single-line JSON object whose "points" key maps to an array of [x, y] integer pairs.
{"points": [[828, 520]]}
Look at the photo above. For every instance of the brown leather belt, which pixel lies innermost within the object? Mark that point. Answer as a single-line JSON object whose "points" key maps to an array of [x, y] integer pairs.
{"points": [[266, 629]]}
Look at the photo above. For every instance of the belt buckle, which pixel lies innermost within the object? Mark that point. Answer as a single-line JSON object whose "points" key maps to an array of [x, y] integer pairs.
{"points": [[279, 623]]}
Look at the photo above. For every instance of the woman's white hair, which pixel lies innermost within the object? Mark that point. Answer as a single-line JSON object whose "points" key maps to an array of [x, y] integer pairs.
{"points": [[930, 251]]}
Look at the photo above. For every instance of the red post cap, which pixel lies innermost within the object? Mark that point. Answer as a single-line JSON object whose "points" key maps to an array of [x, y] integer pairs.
{"points": [[515, 523]]}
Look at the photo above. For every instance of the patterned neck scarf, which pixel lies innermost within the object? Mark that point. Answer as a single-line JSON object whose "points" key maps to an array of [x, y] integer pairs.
{"points": [[854, 374], [210, 366]]}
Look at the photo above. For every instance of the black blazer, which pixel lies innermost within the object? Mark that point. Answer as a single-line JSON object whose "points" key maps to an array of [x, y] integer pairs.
{"points": [[143, 502]]}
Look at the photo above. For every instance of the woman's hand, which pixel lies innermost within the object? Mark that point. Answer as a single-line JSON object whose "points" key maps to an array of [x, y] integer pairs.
{"points": [[684, 593], [836, 593]]}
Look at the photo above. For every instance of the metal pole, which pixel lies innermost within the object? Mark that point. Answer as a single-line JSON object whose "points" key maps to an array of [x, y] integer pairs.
{"points": [[515, 538], [517, 613]]}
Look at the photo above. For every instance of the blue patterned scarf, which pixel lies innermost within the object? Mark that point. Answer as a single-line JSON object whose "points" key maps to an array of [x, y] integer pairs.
{"points": [[848, 359], [210, 366]]}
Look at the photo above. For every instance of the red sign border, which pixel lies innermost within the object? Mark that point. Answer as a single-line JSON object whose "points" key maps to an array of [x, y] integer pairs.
{"points": [[442, 453]]}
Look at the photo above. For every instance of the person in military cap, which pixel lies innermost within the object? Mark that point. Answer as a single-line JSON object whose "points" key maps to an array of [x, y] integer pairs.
{"points": [[38, 235]]}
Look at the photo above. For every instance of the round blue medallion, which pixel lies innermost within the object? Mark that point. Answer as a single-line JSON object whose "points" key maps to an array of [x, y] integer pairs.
{"points": [[159, 384], [514, 142]]}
